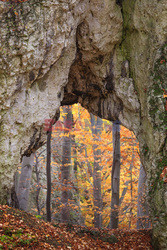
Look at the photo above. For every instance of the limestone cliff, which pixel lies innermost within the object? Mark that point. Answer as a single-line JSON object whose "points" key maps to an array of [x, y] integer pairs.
{"points": [[111, 56]]}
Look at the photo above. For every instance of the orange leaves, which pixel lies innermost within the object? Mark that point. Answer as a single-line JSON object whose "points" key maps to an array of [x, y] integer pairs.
{"points": [[163, 175], [84, 146], [85, 141], [20, 230]]}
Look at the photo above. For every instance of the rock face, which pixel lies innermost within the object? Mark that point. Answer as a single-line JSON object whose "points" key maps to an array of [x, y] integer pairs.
{"points": [[111, 56]]}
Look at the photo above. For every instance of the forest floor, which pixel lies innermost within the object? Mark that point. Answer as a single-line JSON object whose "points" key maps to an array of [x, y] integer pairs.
{"points": [[21, 230]]}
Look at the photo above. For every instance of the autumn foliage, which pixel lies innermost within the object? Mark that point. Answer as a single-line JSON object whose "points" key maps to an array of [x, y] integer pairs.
{"points": [[20, 230], [81, 183]]}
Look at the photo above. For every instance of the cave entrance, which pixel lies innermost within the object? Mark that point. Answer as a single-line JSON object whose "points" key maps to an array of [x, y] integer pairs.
{"points": [[81, 141]]}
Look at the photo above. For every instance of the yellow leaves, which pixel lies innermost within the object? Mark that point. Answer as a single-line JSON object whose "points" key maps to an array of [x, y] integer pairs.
{"points": [[83, 153]]}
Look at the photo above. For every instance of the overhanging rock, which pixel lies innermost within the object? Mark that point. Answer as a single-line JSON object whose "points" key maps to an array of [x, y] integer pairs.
{"points": [[109, 55]]}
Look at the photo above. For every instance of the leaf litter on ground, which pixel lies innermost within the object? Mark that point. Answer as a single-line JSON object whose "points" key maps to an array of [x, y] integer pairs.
{"points": [[21, 230]]}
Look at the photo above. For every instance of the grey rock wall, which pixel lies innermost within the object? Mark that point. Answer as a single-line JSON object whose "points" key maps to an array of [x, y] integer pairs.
{"points": [[111, 57]]}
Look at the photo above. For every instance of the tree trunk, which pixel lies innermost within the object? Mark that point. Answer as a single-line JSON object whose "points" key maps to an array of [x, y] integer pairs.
{"points": [[80, 219], [66, 164], [96, 125], [48, 174], [48, 165], [115, 177], [13, 202], [142, 206], [85, 148], [37, 172], [25, 182]]}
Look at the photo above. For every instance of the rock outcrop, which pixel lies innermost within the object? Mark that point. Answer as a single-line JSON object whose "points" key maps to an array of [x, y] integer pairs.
{"points": [[111, 56]]}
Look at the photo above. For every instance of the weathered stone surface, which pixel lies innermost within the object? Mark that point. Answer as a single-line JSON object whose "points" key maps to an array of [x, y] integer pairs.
{"points": [[112, 58], [38, 46]]}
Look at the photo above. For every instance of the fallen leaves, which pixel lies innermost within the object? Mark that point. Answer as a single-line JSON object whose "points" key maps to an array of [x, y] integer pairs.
{"points": [[20, 230]]}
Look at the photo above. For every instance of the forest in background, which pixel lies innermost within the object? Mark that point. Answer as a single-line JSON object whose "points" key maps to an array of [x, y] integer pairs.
{"points": [[81, 171]]}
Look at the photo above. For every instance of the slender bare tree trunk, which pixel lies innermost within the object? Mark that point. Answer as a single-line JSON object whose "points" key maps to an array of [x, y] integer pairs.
{"points": [[38, 184], [131, 195], [48, 166], [48, 174], [115, 177], [142, 207], [66, 164], [85, 148], [25, 182], [96, 126], [80, 219]]}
